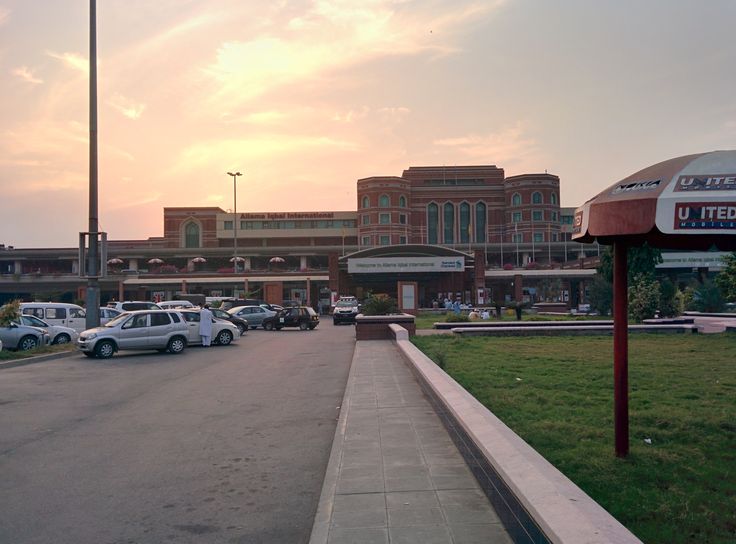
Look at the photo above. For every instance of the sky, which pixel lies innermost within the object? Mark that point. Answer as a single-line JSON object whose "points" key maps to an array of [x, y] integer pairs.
{"points": [[306, 97]]}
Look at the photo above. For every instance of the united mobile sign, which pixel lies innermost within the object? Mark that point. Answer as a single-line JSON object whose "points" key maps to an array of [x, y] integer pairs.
{"points": [[382, 265], [705, 215]]}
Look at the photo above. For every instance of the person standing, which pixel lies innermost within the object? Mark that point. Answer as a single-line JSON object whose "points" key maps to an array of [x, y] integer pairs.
{"points": [[205, 325]]}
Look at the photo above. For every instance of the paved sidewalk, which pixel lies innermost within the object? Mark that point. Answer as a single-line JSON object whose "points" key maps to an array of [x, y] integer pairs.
{"points": [[394, 474]]}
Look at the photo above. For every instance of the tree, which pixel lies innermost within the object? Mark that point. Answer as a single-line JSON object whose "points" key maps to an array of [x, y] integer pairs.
{"points": [[706, 297], [600, 294], [644, 298], [726, 278], [641, 261]]}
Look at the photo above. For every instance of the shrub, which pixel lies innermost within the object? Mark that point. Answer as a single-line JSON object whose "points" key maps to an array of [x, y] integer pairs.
{"points": [[601, 295], [706, 297], [668, 303], [9, 312], [452, 317], [644, 297], [380, 304]]}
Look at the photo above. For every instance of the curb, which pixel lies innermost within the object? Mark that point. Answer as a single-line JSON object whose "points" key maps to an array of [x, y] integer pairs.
{"points": [[36, 359]]}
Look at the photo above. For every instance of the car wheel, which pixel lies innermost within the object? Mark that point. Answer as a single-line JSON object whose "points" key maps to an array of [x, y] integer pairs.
{"points": [[224, 338], [303, 326], [268, 326], [311, 327], [28, 342], [242, 329], [104, 349], [62, 339], [176, 345]]}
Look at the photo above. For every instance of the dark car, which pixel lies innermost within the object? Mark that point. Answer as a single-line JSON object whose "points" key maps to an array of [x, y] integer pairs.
{"points": [[303, 317], [239, 322]]}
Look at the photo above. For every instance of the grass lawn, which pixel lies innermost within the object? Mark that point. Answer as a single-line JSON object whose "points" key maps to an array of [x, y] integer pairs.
{"points": [[557, 394], [6, 355]]}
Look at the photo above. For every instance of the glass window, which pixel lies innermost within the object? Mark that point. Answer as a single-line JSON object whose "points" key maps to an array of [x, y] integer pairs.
{"points": [[432, 223], [138, 322], [480, 222], [76, 312], [175, 317], [448, 215], [554, 216], [158, 320], [536, 198], [366, 219], [191, 235], [516, 217], [402, 218], [553, 198], [539, 237], [55, 313], [516, 200], [555, 237], [402, 239], [464, 223], [402, 201], [366, 202], [517, 237], [229, 225], [537, 215], [366, 240], [385, 240], [384, 218], [383, 201]]}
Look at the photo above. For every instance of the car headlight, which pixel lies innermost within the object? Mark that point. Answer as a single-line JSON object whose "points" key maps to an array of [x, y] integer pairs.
{"points": [[90, 336]]}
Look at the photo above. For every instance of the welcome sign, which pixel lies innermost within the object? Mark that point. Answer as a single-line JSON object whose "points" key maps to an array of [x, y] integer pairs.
{"points": [[382, 265]]}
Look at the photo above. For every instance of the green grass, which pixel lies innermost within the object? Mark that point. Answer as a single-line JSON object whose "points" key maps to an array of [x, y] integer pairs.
{"points": [[557, 394], [427, 321], [6, 355]]}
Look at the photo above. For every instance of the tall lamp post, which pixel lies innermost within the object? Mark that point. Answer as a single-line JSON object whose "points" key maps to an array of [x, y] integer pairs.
{"points": [[235, 220]]}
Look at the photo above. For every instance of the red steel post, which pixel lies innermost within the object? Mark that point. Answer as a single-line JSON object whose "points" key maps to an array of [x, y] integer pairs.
{"points": [[620, 350]]}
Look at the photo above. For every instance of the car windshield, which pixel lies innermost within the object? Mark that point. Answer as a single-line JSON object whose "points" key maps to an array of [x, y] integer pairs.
{"points": [[345, 304], [33, 321], [114, 322]]}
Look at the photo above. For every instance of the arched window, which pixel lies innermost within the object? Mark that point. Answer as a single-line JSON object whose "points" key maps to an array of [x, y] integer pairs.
{"points": [[448, 218], [536, 197], [366, 202], [433, 219], [553, 198], [480, 222], [383, 201], [402, 201], [191, 235], [464, 223], [516, 199]]}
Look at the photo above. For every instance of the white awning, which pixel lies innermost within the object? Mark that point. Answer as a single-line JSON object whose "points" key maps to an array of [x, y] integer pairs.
{"points": [[220, 279]]}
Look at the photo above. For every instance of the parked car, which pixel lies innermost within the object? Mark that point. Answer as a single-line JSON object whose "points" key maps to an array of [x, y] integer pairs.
{"points": [[345, 311], [22, 337], [254, 315], [230, 303], [173, 304], [239, 322], [57, 313], [303, 317], [1, 345], [162, 330], [133, 305], [223, 332], [106, 314], [57, 333]]}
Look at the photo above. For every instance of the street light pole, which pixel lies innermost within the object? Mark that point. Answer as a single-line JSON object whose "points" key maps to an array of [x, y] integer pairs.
{"points": [[235, 220]]}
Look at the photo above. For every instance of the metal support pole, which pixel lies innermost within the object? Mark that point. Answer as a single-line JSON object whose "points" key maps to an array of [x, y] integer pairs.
{"points": [[620, 350], [235, 220], [93, 288]]}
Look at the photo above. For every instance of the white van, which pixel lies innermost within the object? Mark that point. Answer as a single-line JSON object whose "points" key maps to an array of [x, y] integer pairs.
{"points": [[57, 313]]}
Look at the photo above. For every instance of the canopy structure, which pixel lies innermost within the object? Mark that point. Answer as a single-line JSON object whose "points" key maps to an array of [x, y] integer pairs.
{"points": [[683, 203]]}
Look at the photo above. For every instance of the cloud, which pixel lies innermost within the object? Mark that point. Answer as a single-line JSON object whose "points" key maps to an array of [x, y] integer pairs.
{"points": [[128, 107], [26, 74], [72, 60]]}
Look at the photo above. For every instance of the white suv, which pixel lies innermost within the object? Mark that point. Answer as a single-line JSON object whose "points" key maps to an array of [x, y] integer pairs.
{"points": [[133, 305], [162, 330]]}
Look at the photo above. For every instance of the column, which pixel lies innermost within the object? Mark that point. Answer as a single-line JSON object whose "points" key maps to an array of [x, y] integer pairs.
{"points": [[303, 262]]}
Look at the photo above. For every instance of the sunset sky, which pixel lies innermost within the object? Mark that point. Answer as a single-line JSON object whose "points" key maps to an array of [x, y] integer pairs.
{"points": [[306, 97]]}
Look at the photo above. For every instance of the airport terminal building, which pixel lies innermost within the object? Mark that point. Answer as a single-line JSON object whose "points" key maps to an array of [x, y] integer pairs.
{"points": [[463, 232]]}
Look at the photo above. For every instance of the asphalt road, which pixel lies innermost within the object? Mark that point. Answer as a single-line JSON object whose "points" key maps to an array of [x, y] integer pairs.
{"points": [[221, 444]]}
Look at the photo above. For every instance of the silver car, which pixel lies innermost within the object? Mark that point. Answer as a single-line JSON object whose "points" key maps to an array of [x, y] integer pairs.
{"points": [[23, 337], [162, 330], [223, 332], [254, 315], [58, 334]]}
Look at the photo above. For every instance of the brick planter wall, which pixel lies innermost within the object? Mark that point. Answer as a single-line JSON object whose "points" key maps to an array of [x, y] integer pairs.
{"points": [[376, 327]]}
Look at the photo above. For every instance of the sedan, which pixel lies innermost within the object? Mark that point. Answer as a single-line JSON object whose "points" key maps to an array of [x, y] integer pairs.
{"points": [[239, 322], [254, 315], [223, 332], [22, 337], [58, 334]]}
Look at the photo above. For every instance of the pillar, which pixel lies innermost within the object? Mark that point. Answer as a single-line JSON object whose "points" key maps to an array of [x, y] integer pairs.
{"points": [[246, 266], [518, 288], [17, 267], [303, 262], [133, 264]]}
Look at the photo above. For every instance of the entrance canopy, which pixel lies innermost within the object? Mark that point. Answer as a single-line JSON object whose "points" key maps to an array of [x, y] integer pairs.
{"points": [[683, 203]]}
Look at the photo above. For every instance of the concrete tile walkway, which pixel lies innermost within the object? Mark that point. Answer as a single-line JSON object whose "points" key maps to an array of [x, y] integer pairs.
{"points": [[394, 474]]}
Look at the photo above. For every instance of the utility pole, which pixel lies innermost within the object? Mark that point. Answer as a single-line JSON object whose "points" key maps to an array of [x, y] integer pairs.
{"points": [[93, 265]]}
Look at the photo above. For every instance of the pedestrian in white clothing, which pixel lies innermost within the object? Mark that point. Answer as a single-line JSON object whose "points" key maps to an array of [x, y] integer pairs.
{"points": [[205, 325]]}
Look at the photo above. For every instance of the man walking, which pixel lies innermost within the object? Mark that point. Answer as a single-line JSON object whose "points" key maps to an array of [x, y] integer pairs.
{"points": [[205, 325]]}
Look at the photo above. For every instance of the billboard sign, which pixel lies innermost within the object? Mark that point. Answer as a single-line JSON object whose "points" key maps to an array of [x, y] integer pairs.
{"points": [[382, 265]]}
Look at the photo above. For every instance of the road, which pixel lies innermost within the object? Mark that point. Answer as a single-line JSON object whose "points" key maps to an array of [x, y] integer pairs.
{"points": [[221, 444]]}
